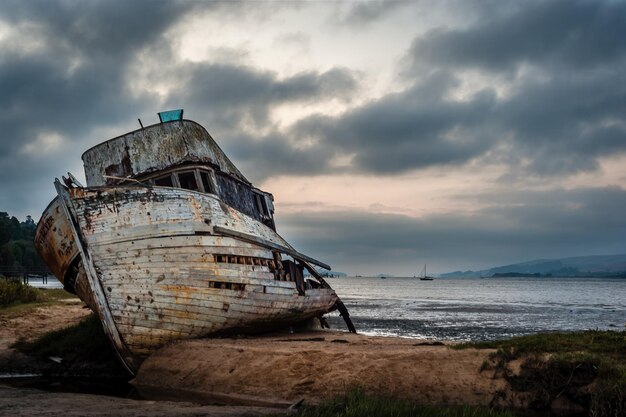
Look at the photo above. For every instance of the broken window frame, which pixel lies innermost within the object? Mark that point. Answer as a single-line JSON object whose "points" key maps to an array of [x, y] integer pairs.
{"points": [[196, 170], [162, 177], [194, 175], [210, 181], [261, 204]]}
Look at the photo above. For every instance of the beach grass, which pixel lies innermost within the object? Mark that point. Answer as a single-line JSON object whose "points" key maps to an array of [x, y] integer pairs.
{"points": [[586, 367], [356, 403], [18, 299], [611, 343], [13, 291]]}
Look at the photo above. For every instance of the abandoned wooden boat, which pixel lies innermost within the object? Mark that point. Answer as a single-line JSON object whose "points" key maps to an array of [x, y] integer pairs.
{"points": [[169, 241]]}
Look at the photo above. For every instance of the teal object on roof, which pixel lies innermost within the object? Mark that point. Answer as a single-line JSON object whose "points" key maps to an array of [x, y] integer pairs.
{"points": [[171, 115]]}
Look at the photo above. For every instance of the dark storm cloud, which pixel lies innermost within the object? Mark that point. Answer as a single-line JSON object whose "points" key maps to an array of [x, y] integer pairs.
{"points": [[564, 125], [557, 119], [277, 153], [513, 227], [66, 72], [413, 129], [231, 94], [102, 29], [71, 81], [565, 34], [416, 128], [363, 12]]}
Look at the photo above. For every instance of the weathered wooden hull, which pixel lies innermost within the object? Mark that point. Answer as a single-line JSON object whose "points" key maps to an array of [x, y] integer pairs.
{"points": [[157, 265]]}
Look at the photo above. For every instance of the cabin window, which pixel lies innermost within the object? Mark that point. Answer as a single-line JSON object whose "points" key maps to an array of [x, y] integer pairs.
{"points": [[261, 205], [187, 180], [206, 182], [165, 181], [257, 203], [264, 209]]}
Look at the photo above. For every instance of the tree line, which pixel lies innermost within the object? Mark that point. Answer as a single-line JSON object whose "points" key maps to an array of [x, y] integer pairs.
{"points": [[17, 250]]}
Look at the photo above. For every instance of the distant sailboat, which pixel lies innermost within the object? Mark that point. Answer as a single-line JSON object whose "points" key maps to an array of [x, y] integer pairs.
{"points": [[423, 276]]}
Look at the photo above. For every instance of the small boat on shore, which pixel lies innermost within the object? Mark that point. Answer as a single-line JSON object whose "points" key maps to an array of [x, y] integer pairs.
{"points": [[170, 241]]}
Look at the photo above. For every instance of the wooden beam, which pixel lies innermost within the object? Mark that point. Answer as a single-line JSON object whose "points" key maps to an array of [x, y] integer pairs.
{"points": [[270, 245]]}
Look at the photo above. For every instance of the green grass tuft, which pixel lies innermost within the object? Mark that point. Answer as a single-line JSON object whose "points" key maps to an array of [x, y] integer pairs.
{"points": [[13, 291], [612, 343], [587, 367], [18, 299], [356, 403]]}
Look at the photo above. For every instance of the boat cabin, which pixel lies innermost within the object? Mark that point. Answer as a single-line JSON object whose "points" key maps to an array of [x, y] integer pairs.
{"points": [[176, 153]]}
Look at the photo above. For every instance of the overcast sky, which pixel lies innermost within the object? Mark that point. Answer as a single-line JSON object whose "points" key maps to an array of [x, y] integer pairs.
{"points": [[464, 134]]}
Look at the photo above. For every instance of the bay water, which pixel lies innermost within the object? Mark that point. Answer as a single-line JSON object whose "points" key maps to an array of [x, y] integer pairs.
{"points": [[482, 308]]}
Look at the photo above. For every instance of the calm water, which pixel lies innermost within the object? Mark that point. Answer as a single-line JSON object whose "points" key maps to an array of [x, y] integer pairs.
{"points": [[480, 309], [474, 309]]}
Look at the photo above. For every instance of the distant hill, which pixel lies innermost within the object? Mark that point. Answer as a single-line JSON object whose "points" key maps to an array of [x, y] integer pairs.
{"points": [[580, 266]]}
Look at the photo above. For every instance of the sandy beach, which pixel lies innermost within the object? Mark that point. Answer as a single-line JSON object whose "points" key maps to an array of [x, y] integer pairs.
{"points": [[318, 365]]}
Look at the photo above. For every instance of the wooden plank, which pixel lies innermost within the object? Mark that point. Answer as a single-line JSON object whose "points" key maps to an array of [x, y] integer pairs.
{"points": [[270, 245], [182, 266], [239, 306]]}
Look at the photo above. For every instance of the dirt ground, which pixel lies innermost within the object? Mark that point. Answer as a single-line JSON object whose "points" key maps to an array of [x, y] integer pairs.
{"points": [[42, 320], [315, 366], [29, 323], [274, 370], [30, 402]]}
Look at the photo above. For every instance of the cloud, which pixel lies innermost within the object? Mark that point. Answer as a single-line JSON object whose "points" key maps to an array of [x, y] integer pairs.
{"points": [[71, 81], [566, 124], [557, 119], [536, 88], [365, 12], [262, 156], [231, 95], [515, 226], [410, 130], [78, 78], [559, 34]]}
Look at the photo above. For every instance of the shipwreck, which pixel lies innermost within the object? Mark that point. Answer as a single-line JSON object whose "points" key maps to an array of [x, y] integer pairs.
{"points": [[168, 240]]}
